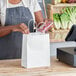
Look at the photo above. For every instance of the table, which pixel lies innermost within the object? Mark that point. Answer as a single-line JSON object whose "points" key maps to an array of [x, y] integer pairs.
{"points": [[13, 68]]}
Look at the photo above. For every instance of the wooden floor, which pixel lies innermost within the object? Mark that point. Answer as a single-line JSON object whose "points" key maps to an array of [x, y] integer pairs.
{"points": [[13, 68]]}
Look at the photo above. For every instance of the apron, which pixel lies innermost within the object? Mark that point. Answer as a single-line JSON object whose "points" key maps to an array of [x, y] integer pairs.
{"points": [[11, 45]]}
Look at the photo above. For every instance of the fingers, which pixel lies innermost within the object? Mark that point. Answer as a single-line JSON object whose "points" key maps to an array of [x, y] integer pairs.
{"points": [[24, 28], [21, 28], [26, 31]]}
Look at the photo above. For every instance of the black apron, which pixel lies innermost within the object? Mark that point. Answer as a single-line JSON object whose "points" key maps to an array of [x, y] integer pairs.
{"points": [[11, 45]]}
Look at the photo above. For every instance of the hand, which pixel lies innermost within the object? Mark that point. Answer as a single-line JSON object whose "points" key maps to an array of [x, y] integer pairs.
{"points": [[48, 21], [21, 28], [47, 25]]}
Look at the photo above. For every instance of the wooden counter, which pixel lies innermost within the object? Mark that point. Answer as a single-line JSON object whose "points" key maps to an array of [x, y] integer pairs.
{"points": [[13, 68]]}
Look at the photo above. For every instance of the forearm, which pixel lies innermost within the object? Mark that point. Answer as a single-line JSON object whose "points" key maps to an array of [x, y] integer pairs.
{"points": [[39, 17], [5, 30]]}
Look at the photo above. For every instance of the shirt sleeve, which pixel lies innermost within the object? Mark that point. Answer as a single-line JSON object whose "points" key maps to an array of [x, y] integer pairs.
{"points": [[36, 6]]}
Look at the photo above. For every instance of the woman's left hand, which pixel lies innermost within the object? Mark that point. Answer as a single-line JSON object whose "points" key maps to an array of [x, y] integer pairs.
{"points": [[46, 25], [48, 21]]}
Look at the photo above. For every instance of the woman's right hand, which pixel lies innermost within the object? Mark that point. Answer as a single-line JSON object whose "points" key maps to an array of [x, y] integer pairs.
{"points": [[21, 28]]}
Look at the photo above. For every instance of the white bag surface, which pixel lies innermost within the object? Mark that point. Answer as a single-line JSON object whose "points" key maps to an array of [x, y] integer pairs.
{"points": [[35, 50]]}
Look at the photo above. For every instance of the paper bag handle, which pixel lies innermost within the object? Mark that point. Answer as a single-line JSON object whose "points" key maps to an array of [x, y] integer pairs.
{"points": [[34, 23], [32, 20], [36, 27]]}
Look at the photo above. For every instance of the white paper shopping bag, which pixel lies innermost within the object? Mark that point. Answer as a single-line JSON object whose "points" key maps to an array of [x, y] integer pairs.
{"points": [[35, 50]]}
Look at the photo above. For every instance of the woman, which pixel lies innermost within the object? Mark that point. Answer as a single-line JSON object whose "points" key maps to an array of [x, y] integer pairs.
{"points": [[14, 17]]}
